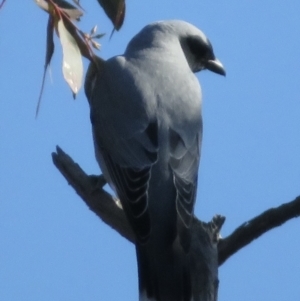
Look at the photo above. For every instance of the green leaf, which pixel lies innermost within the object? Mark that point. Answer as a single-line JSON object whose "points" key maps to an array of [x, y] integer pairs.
{"points": [[72, 61]]}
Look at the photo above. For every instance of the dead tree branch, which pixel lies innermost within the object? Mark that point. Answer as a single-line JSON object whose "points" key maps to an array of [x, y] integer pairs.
{"points": [[90, 190], [205, 235], [257, 226]]}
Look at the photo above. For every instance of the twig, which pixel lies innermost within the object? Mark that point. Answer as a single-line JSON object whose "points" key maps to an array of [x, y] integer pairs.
{"points": [[257, 226]]}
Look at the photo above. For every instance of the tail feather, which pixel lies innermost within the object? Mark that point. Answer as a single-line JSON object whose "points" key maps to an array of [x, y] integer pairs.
{"points": [[163, 273]]}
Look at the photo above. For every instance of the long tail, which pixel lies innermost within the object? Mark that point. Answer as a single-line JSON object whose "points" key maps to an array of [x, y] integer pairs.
{"points": [[164, 273]]}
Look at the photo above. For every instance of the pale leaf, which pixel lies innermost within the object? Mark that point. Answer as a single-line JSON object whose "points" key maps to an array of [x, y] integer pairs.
{"points": [[72, 61]]}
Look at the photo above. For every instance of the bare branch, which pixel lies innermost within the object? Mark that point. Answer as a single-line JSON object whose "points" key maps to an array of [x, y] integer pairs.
{"points": [[98, 200], [257, 226], [205, 236]]}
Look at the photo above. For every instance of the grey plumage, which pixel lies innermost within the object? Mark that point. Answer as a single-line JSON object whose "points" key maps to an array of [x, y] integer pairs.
{"points": [[147, 128]]}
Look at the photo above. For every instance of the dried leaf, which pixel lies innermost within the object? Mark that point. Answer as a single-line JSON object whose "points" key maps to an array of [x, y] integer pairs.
{"points": [[72, 60], [64, 4], [99, 36], [42, 4], [115, 10], [48, 57], [96, 45], [73, 12], [77, 2], [82, 44], [50, 42], [93, 30]]}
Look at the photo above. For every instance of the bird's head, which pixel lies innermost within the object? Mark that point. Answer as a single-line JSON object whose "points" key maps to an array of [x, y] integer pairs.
{"points": [[167, 35], [200, 55], [196, 47]]}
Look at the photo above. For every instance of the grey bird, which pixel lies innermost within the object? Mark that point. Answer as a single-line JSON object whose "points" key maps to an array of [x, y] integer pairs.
{"points": [[145, 108]]}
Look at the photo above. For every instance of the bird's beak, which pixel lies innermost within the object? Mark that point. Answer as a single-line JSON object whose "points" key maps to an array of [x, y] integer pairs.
{"points": [[215, 66]]}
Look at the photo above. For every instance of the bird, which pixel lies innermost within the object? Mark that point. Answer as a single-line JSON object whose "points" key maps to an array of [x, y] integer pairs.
{"points": [[145, 111]]}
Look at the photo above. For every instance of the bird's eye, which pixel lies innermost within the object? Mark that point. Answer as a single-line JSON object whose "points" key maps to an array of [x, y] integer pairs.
{"points": [[199, 48]]}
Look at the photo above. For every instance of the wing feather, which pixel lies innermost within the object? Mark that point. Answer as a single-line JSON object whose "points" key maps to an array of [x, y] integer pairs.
{"points": [[184, 163], [132, 188]]}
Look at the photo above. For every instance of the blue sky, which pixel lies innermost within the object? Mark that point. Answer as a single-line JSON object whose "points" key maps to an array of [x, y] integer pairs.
{"points": [[53, 248]]}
